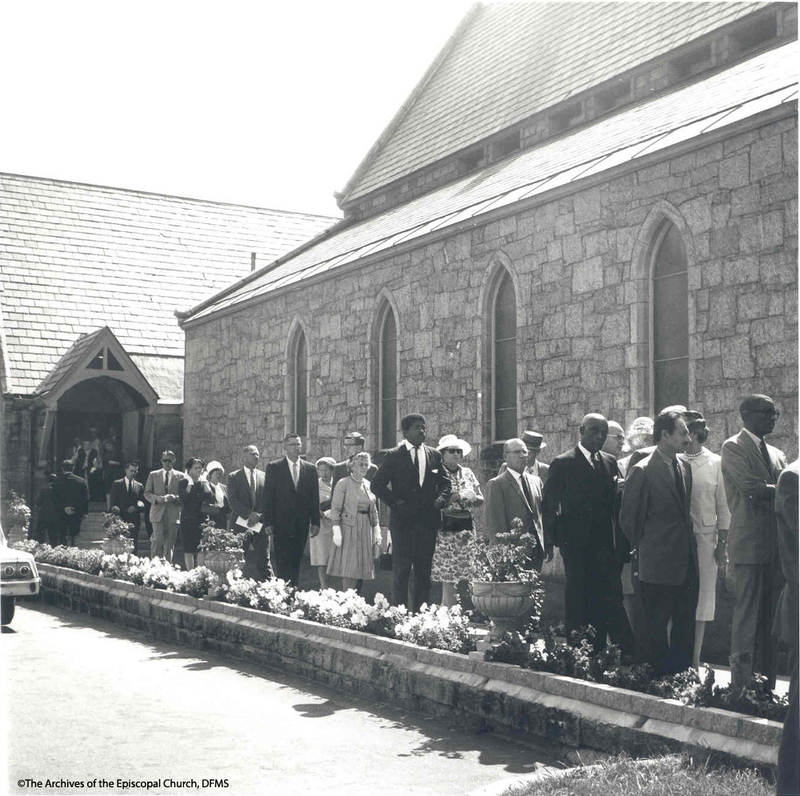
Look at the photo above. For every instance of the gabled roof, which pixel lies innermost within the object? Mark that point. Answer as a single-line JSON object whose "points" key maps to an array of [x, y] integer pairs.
{"points": [[76, 257], [511, 60], [759, 85], [97, 353]]}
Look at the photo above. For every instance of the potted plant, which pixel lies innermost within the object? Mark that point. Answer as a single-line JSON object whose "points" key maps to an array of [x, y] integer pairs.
{"points": [[118, 537], [505, 583], [18, 514], [221, 550]]}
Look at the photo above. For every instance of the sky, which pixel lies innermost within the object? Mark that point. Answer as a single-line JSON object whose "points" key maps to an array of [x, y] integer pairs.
{"points": [[258, 103]]}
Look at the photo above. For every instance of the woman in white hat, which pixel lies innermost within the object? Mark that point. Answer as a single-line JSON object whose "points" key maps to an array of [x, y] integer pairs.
{"points": [[216, 506], [451, 560]]}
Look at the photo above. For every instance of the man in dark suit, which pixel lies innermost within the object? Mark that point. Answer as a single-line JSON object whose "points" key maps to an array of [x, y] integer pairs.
{"points": [[750, 470], [246, 496], [290, 507], [516, 494], [578, 509], [655, 518], [127, 499], [353, 444], [70, 502], [412, 482], [786, 622]]}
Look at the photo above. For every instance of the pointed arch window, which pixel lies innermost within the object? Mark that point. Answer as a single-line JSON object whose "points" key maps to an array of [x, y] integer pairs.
{"points": [[670, 337], [504, 377], [388, 379], [298, 376]]}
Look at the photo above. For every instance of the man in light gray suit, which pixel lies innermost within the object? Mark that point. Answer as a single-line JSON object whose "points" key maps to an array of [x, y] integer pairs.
{"points": [[655, 518], [516, 494], [161, 492], [750, 469]]}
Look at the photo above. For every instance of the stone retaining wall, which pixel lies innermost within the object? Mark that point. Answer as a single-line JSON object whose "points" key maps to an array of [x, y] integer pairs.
{"points": [[519, 701]]}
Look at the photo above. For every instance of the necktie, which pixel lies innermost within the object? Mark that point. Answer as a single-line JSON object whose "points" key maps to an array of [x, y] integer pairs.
{"points": [[526, 490], [597, 463], [416, 463], [294, 474], [676, 470], [130, 487], [765, 455], [251, 482], [166, 482]]}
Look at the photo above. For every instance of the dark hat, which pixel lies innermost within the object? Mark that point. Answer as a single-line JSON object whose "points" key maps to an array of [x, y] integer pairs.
{"points": [[691, 416], [356, 437], [533, 439]]}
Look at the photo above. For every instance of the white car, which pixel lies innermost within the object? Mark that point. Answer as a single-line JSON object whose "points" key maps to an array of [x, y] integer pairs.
{"points": [[18, 577]]}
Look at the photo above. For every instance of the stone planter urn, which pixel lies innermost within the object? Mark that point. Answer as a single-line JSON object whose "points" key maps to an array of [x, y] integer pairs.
{"points": [[117, 546], [220, 563], [506, 604]]}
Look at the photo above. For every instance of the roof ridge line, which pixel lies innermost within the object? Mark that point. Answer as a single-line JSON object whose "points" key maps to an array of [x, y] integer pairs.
{"points": [[164, 195], [410, 101]]}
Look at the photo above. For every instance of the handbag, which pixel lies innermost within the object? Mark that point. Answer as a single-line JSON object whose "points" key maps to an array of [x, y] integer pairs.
{"points": [[385, 559]]}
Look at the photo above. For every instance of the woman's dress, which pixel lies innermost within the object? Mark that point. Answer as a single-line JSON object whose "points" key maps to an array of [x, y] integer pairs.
{"points": [[355, 511], [321, 544], [453, 555], [192, 497], [709, 512]]}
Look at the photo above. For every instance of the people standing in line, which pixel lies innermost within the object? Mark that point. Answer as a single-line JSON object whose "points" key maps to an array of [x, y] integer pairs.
{"points": [[290, 507], [750, 468], [655, 517], [217, 507], [353, 443], [535, 444], [161, 492], [321, 543], [412, 482], [113, 468], [71, 503], [48, 520], [786, 623], [194, 491], [246, 496], [356, 532], [452, 557], [710, 521], [515, 494], [126, 499], [578, 509]]}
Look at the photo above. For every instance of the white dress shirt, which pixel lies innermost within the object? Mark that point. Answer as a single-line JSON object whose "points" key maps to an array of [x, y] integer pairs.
{"points": [[420, 458]]}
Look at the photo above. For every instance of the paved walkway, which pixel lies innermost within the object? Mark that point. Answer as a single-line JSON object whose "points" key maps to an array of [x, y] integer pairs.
{"points": [[89, 699]]}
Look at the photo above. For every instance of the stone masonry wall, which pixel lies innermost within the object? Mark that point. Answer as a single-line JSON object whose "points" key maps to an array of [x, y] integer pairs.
{"points": [[579, 265]]}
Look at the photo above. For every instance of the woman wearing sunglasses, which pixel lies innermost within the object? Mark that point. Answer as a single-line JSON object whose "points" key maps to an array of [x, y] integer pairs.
{"points": [[451, 561]]}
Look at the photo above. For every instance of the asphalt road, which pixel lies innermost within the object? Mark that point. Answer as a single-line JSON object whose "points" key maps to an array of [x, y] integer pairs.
{"points": [[87, 700]]}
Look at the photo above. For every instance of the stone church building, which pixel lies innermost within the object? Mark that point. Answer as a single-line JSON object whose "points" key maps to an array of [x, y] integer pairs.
{"points": [[90, 278], [580, 207]]}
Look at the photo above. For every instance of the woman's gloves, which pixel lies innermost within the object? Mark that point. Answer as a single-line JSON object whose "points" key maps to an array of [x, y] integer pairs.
{"points": [[469, 495], [337, 536], [327, 514], [376, 535]]}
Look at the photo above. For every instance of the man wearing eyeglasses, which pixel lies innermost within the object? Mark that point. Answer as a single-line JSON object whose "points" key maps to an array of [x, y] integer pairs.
{"points": [[750, 469], [161, 492]]}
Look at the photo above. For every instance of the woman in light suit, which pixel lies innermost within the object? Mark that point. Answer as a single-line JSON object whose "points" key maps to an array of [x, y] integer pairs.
{"points": [[710, 521], [356, 530]]}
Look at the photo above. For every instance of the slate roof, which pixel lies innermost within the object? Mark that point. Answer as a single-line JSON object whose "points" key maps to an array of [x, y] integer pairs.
{"points": [[509, 61], [743, 90], [77, 257]]}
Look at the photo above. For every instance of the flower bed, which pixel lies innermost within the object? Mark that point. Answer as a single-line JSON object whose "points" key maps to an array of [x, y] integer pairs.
{"points": [[435, 627], [546, 654]]}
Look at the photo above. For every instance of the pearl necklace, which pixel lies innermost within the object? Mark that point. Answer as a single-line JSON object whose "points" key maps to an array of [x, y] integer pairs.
{"points": [[693, 455]]}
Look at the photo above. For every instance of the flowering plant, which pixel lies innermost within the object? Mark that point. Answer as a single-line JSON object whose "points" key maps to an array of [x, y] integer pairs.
{"points": [[115, 527], [158, 573], [218, 539], [196, 582], [511, 558], [17, 509], [271, 595], [438, 627]]}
